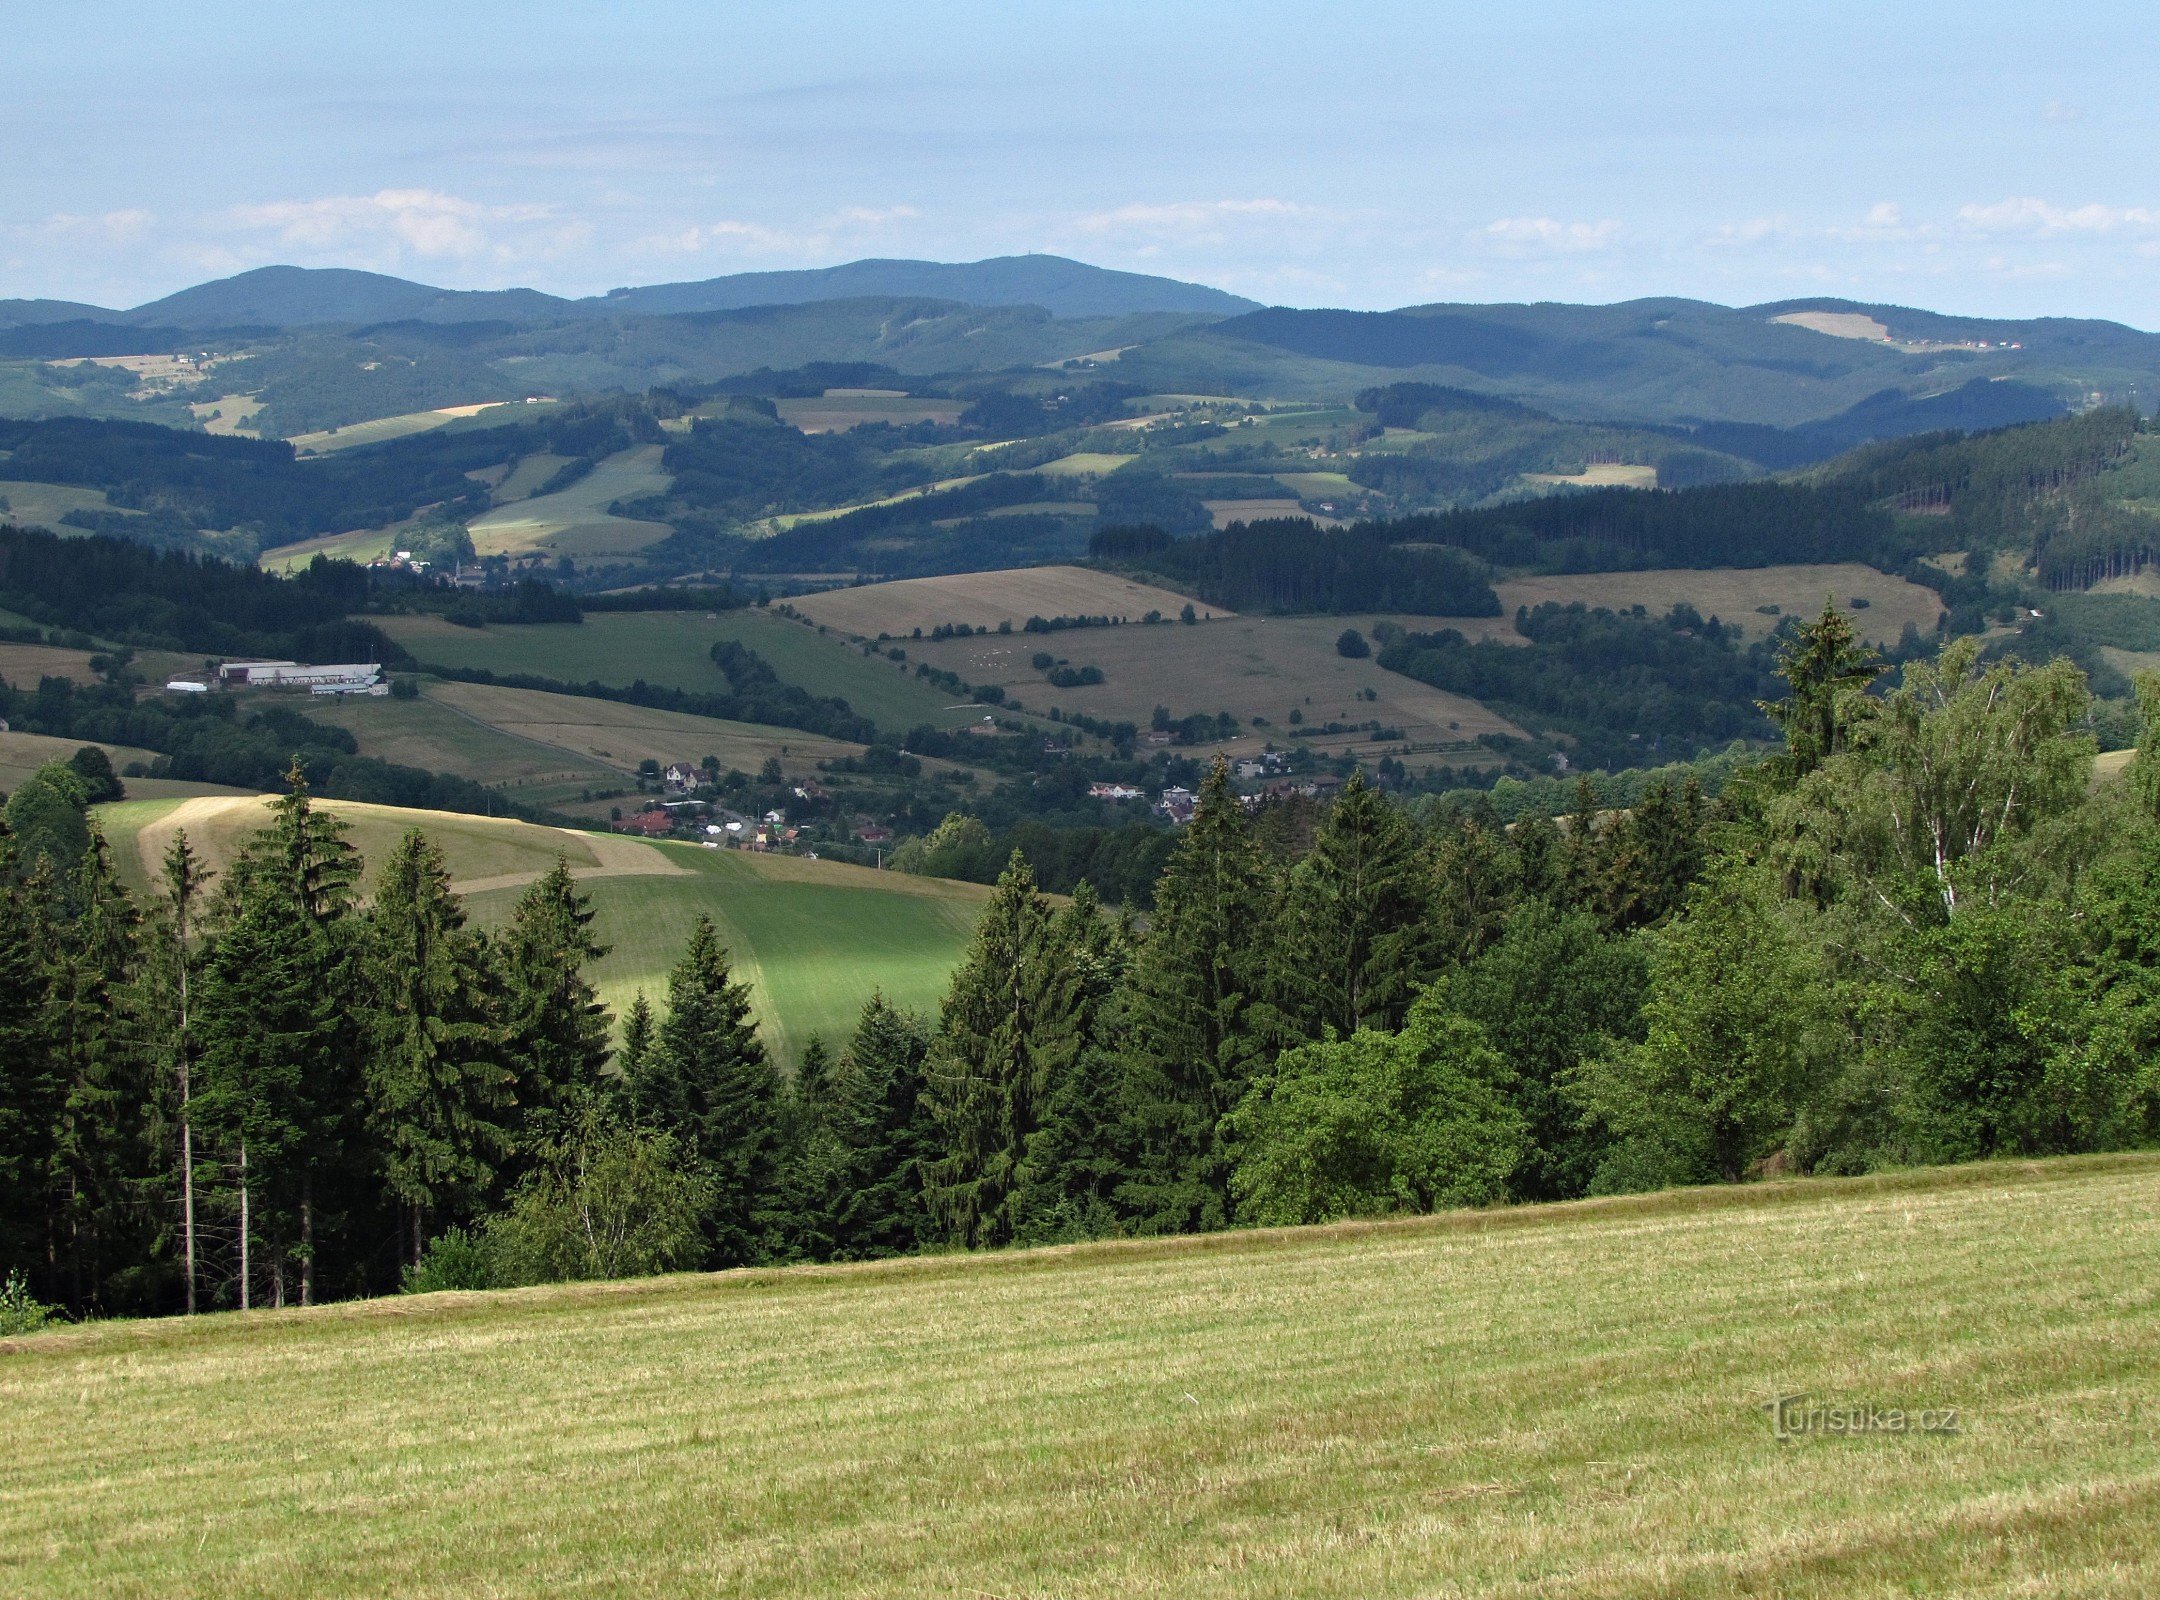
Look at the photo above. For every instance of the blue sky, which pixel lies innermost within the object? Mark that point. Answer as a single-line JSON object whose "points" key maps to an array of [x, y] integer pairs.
{"points": [[1975, 157]]}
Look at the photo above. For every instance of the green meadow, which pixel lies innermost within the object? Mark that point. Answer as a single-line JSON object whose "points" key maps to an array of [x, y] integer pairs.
{"points": [[813, 939], [672, 649]]}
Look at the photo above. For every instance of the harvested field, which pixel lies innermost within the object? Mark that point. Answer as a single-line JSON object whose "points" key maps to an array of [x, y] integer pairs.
{"points": [[620, 736], [1247, 666], [841, 409], [1540, 1402], [575, 521], [673, 649], [23, 753], [1600, 475], [985, 599], [1732, 594]]}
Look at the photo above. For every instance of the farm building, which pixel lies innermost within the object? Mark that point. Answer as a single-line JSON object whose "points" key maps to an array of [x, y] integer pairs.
{"points": [[355, 676]]}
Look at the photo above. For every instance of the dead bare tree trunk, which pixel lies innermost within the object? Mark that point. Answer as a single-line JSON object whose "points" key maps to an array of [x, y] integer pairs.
{"points": [[307, 1239], [243, 1226]]}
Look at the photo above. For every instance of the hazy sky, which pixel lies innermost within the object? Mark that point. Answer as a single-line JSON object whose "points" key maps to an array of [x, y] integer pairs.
{"points": [[1969, 157]]}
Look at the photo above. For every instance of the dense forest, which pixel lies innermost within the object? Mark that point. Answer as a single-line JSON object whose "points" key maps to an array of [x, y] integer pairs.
{"points": [[1919, 932], [1288, 564]]}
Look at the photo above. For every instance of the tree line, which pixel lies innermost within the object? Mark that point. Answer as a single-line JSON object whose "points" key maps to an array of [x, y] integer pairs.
{"points": [[1920, 932]]}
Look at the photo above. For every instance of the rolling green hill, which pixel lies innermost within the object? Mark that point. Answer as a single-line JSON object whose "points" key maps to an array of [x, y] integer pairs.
{"points": [[814, 939], [1552, 1401]]}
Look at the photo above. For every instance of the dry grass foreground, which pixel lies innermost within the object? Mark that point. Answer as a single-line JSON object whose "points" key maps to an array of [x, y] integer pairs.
{"points": [[1562, 1401], [985, 599]]}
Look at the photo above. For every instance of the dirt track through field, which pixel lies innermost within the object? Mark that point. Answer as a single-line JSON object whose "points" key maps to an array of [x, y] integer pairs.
{"points": [[216, 824]]}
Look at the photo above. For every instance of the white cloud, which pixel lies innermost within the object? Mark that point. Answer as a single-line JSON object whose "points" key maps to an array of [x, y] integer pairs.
{"points": [[736, 236], [1185, 220], [1884, 214], [1547, 236], [2026, 214], [425, 223], [2062, 111], [110, 227]]}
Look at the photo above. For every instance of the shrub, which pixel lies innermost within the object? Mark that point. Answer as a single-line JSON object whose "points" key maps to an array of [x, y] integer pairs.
{"points": [[1352, 643], [454, 1259], [19, 1311]]}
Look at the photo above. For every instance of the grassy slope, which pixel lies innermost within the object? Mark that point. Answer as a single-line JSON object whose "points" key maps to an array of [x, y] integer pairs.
{"points": [[673, 649], [1554, 1402], [813, 938], [575, 521]]}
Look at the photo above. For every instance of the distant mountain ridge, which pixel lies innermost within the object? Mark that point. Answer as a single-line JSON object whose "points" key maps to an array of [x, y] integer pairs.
{"points": [[294, 297]]}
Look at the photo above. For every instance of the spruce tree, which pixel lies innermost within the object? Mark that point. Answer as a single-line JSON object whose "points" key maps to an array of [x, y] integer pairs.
{"points": [[171, 959], [438, 1092], [1477, 879], [985, 1081], [1356, 933], [104, 1223], [1826, 668], [556, 1030], [282, 1055], [33, 1085], [1189, 1045], [1072, 1161], [269, 1080], [876, 1115], [708, 1082]]}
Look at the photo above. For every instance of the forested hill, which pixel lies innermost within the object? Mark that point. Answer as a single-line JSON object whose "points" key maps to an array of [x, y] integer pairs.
{"points": [[291, 297]]}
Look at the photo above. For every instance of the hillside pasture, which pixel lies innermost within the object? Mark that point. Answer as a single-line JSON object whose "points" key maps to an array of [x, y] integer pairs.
{"points": [[1599, 475], [841, 409], [985, 599], [1248, 666], [1539, 1402], [439, 737], [358, 544], [380, 430], [484, 853], [673, 649], [1226, 512], [23, 753], [575, 521], [814, 938], [1732, 595], [21, 665], [620, 736], [42, 505]]}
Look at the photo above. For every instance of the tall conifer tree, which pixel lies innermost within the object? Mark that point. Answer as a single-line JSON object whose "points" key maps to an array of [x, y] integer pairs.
{"points": [[1356, 937], [707, 1080], [1189, 1046], [986, 1077], [438, 1092]]}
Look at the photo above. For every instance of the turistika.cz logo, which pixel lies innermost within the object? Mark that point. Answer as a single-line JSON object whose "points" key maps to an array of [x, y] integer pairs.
{"points": [[1797, 1416]]}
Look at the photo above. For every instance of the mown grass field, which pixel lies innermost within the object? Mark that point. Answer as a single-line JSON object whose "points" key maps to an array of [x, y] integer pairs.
{"points": [[673, 649], [1248, 666], [985, 599], [814, 939], [42, 505], [1560, 1401], [620, 736], [439, 737], [379, 430], [575, 521], [838, 410], [1732, 594]]}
